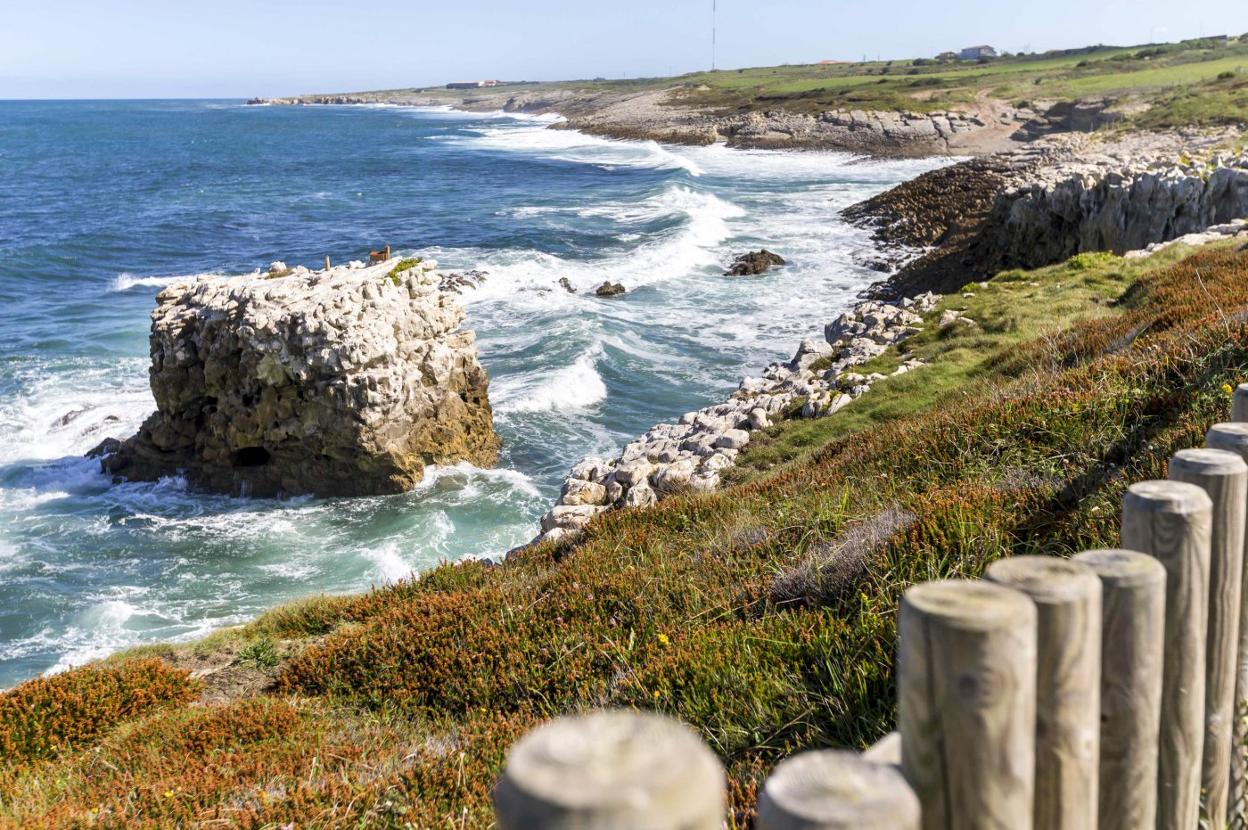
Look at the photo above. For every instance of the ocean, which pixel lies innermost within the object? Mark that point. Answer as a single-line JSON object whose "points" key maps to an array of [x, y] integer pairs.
{"points": [[102, 203]]}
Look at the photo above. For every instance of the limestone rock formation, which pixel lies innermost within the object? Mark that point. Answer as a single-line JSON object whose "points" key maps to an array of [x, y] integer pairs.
{"points": [[345, 382]]}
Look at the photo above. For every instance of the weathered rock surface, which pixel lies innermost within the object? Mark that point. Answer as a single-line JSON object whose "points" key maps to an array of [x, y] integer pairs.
{"points": [[754, 263], [1060, 197], [609, 289], [340, 383], [692, 454]]}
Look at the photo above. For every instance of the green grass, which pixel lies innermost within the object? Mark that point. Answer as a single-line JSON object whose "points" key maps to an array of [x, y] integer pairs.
{"points": [[1012, 308]]}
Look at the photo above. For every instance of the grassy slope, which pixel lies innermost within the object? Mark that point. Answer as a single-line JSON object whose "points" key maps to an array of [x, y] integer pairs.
{"points": [[1161, 77], [763, 615]]}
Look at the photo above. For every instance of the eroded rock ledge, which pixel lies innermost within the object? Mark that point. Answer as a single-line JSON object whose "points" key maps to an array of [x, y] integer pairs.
{"points": [[1056, 199], [345, 382]]}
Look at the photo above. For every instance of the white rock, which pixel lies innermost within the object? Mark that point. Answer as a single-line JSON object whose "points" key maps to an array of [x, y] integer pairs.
{"points": [[733, 439]]}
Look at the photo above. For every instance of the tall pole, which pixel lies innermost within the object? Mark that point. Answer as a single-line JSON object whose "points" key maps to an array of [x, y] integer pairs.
{"points": [[714, 30]]}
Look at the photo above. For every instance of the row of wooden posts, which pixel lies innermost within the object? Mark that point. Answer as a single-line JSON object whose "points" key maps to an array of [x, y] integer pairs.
{"points": [[1104, 691]]}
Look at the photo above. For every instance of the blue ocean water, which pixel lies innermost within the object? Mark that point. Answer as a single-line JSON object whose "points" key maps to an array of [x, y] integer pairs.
{"points": [[101, 203]]}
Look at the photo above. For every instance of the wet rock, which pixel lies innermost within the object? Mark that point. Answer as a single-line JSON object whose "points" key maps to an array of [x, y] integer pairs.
{"points": [[566, 285], [754, 263], [609, 289]]}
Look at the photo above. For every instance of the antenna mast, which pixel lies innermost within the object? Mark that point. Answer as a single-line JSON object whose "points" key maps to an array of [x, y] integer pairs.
{"points": [[714, 30]]}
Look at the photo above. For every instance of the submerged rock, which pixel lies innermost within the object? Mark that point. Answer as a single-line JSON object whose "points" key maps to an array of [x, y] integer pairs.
{"points": [[339, 383], [754, 263], [609, 289]]}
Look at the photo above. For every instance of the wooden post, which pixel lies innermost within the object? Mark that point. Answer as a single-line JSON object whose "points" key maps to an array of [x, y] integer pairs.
{"points": [[1133, 613], [387, 251], [327, 262], [1239, 404], [836, 790], [1224, 476], [1171, 521], [611, 770], [1068, 685], [1233, 437], [966, 704]]}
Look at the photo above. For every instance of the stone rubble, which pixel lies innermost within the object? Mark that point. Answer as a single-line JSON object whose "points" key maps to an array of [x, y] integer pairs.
{"points": [[692, 454]]}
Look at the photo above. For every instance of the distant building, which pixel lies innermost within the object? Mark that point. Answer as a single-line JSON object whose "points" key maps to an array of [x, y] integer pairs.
{"points": [[471, 84], [972, 53]]}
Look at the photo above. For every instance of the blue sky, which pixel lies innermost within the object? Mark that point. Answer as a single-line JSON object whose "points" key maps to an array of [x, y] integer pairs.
{"points": [[232, 48]]}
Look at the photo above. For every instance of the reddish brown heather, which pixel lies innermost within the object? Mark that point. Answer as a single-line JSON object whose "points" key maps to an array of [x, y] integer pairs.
{"points": [[52, 715]]}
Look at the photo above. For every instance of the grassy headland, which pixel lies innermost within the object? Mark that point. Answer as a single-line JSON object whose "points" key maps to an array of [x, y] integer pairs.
{"points": [[762, 614]]}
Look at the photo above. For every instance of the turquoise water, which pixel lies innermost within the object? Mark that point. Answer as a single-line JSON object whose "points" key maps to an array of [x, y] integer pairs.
{"points": [[101, 203]]}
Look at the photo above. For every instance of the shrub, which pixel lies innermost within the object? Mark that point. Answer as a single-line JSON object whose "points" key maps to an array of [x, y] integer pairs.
{"points": [[48, 715]]}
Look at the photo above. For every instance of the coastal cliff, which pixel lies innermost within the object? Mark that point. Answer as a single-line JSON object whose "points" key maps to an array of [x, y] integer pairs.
{"points": [[346, 382], [1061, 197]]}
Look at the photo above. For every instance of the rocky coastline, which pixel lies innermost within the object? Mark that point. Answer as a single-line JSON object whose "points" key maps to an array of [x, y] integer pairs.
{"points": [[342, 382], [1061, 196], [661, 115], [950, 227]]}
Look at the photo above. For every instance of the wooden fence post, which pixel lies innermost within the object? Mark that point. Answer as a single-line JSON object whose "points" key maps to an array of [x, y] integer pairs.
{"points": [[1133, 613], [966, 704], [1171, 521], [1068, 684], [1224, 476], [1233, 437], [1239, 404], [611, 770], [836, 790]]}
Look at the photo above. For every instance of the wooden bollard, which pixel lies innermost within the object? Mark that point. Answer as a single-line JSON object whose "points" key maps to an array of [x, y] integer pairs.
{"points": [[1233, 437], [1068, 686], [1133, 613], [1224, 476], [966, 704], [611, 770], [836, 790], [1239, 403], [1171, 521]]}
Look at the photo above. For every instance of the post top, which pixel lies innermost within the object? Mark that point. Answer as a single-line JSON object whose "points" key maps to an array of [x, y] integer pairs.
{"points": [[1123, 568], [1203, 461], [1231, 436], [1167, 497], [970, 604], [633, 765], [836, 789], [1046, 579]]}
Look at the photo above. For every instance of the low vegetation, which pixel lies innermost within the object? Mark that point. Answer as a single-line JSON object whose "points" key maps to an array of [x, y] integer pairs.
{"points": [[763, 615]]}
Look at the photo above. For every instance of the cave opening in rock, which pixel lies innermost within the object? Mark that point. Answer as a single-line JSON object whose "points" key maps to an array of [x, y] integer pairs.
{"points": [[251, 457]]}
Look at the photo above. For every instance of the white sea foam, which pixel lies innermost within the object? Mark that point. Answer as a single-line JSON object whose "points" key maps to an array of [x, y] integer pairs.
{"points": [[576, 386]]}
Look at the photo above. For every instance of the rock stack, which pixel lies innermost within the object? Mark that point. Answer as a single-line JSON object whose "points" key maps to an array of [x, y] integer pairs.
{"points": [[690, 455], [344, 382]]}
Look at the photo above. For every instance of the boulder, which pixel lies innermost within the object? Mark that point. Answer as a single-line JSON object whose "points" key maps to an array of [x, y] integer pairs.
{"points": [[754, 263], [340, 383], [609, 289]]}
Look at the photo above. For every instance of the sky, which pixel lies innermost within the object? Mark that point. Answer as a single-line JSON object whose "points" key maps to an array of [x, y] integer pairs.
{"points": [[241, 48]]}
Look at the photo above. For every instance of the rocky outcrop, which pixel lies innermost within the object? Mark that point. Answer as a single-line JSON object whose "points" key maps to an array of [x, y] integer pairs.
{"points": [[1116, 208], [691, 454], [754, 263], [1043, 205], [337, 383], [609, 289]]}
